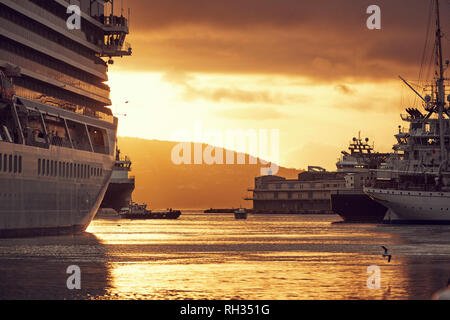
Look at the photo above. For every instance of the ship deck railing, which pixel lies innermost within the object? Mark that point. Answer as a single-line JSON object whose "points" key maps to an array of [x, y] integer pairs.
{"points": [[405, 186]]}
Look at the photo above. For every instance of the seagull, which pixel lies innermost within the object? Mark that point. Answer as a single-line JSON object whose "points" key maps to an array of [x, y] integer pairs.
{"points": [[385, 254]]}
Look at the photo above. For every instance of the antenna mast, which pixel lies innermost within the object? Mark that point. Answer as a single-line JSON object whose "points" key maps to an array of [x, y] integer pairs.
{"points": [[440, 87]]}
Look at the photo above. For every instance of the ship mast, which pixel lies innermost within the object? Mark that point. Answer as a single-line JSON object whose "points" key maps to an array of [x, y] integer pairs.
{"points": [[441, 88]]}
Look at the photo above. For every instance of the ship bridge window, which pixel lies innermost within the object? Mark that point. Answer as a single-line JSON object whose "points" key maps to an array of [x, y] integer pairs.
{"points": [[98, 139], [56, 130], [79, 135]]}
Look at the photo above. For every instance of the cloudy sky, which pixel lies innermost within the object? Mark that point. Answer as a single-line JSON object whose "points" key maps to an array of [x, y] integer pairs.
{"points": [[310, 69]]}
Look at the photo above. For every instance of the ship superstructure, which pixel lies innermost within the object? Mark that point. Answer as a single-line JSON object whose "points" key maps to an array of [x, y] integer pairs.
{"points": [[309, 193], [57, 135], [350, 202], [415, 185], [120, 189], [360, 157]]}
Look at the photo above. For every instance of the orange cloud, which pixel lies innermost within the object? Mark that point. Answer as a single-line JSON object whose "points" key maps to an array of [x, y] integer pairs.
{"points": [[324, 40]]}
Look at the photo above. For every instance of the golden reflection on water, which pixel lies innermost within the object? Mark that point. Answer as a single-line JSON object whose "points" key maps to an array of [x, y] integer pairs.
{"points": [[284, 257]]}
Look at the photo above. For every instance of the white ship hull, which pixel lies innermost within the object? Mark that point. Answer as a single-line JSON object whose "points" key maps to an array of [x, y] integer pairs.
{"points": [[35, 205], [421, 207], [49, 189]]}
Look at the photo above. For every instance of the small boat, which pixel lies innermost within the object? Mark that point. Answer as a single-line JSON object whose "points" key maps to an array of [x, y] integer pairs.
{"points": [[212, 210], [240, 213], [140, 211]]}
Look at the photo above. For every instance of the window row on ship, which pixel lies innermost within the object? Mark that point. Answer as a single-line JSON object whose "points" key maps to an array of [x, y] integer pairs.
{"points": [[24, 56], [69, 170], [31, 127], [35, 28], [43, 93], [10, 163], [13, 164]]}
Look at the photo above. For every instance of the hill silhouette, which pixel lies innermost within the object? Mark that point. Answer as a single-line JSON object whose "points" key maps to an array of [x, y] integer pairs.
{"points": [[162, 184]]}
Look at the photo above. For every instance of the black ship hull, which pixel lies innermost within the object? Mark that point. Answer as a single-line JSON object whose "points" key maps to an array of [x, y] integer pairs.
{"points": [[171, 215], [357, 207], [118, 195], [240, 215]]}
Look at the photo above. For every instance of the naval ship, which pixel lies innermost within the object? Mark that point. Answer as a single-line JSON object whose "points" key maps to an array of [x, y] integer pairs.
{"points": [[416, 185], [120, 189], [57, 135], [351, 203]]}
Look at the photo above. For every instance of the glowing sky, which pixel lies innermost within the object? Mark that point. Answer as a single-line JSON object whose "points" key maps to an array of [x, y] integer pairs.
{"points": [[312, 70]]}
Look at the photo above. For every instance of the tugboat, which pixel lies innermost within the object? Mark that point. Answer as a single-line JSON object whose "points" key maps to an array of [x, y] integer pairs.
{"points": [[140, 211], [240, 213]]}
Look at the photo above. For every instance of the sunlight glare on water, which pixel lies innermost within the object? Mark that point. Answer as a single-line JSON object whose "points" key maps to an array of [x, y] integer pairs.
{"points": [[214, 256]]}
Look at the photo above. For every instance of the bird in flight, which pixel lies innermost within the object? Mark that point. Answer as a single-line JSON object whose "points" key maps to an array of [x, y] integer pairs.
{"points": [[385, 254]]}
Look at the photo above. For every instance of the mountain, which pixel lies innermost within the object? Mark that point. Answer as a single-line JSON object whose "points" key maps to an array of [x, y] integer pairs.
{"points": [[163, 184]]}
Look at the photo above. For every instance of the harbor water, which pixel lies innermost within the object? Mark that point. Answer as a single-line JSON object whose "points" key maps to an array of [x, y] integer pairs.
{"points": [[214, 256]]}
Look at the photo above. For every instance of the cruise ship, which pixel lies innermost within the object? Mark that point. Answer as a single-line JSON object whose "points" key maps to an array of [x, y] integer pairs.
{"points": [[416, 186], [57, 134]]}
